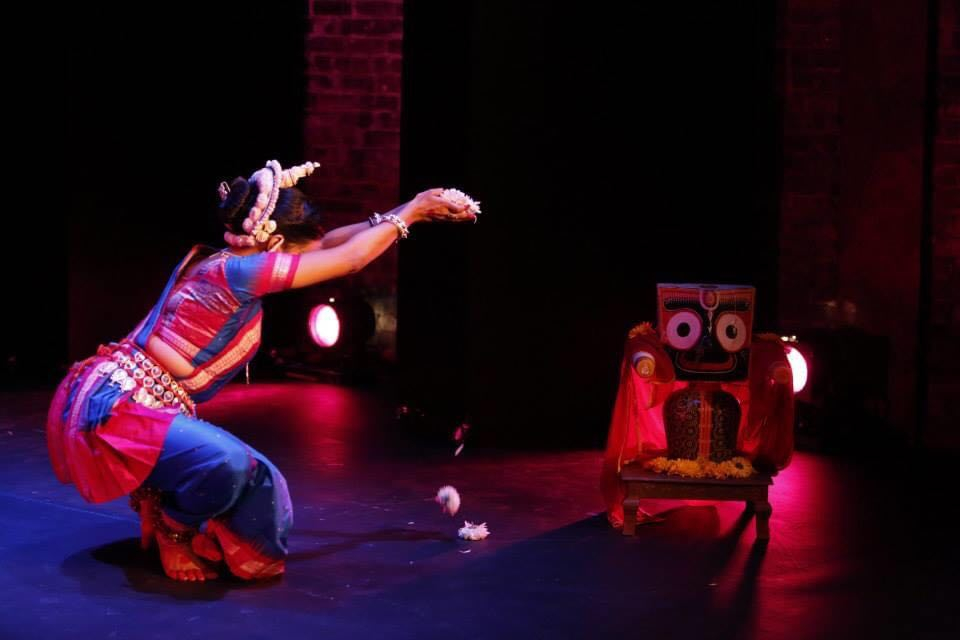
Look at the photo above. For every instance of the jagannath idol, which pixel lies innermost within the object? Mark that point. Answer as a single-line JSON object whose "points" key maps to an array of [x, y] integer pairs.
{"points": [[124, 421], [700, 395]]}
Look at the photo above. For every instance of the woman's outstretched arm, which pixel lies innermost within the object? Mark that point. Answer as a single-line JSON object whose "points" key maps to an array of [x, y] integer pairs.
{"points": [[364, 245], [338, 236]]}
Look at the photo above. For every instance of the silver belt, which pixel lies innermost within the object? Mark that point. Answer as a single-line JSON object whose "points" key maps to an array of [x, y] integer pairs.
{"points": [[129, 368]]}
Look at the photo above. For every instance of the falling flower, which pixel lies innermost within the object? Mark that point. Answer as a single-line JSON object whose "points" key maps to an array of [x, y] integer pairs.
{"points": [[461, 431], [470, 531], [449, 499]]}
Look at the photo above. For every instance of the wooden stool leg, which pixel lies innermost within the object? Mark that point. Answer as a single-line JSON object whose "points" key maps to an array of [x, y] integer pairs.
{"points": [[763, 511], [630, 505]]}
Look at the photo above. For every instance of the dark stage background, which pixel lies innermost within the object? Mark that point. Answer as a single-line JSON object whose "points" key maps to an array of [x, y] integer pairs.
{"points": [[611, 150], [172, 102], [153, 106]]}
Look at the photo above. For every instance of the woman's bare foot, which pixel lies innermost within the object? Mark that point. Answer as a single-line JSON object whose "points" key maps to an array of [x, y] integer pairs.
{"points": [[241, 558], [181, 563], [206, 547], [174, 540]]}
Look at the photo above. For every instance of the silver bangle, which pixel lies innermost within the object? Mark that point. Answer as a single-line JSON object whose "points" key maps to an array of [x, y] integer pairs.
{"points": [[375, 219], [398, 223]]}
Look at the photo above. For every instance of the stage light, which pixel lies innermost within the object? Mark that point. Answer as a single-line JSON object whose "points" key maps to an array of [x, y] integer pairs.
{"points": [[324, 325], [335, 347], [799, 366]]}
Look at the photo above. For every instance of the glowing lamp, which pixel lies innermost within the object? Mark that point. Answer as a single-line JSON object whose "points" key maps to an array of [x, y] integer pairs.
{"points": [[324, 325], [799, 366]]}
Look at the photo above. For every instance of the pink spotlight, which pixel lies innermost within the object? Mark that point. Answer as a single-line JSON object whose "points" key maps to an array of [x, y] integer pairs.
{"points": [[799, 366], [324, 325]]}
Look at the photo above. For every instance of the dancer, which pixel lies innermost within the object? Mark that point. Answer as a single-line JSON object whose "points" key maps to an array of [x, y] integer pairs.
{"points": [[124, 421]]}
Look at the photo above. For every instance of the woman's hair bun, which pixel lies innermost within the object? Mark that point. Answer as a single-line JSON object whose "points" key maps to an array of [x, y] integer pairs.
{"points": [[235, 207]]}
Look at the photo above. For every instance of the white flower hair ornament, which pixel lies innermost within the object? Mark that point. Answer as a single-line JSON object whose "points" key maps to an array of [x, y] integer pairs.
{"points": [[268, 182]]}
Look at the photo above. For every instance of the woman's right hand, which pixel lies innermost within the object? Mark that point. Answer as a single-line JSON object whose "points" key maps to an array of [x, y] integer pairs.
{"points": [[429, 206]]}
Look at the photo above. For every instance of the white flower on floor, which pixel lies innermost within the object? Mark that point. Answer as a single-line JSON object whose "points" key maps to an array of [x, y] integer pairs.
{"points": [[459, 197], [470, 531], [449, 499]]}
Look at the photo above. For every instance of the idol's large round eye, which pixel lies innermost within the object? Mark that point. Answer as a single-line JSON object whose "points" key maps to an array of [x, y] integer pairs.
{"points": [[731, 332], [683, 330]]}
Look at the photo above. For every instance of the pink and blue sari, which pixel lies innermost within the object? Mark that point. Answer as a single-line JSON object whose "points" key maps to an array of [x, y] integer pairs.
{"points": [[108, 441]]}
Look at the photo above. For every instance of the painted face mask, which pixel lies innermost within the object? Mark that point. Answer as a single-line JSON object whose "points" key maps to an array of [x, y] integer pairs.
{"points": [[706, 329]]}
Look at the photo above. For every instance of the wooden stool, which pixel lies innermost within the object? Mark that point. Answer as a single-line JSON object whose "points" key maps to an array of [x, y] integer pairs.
{"points": [[641, 483]]}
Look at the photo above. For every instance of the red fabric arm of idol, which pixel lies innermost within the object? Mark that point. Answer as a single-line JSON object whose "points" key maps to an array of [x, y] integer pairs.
{"points": [[766, 436], [636, 426]]}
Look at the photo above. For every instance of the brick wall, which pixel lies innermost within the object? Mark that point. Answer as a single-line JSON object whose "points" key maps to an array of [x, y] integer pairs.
{"points": [[944, 356], [854, 79], [810, 58], [354, 58]]}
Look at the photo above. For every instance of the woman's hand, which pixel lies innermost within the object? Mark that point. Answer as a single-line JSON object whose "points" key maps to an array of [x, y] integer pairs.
{"points": [[429, 206]]}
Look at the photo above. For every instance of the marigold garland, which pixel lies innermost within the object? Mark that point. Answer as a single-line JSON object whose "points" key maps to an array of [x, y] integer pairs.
{"points": [[642, 329], [738, 467]]}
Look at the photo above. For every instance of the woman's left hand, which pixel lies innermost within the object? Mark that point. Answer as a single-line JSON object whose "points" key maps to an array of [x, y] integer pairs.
{"points": [[430, 206]]}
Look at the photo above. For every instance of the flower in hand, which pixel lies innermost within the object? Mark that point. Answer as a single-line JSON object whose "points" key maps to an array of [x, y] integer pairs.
{"points": [[459, 197], [432, 205]]}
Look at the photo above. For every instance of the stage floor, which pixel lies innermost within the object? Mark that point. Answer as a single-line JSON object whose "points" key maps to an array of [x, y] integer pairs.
{"points": [[857, 550]]}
